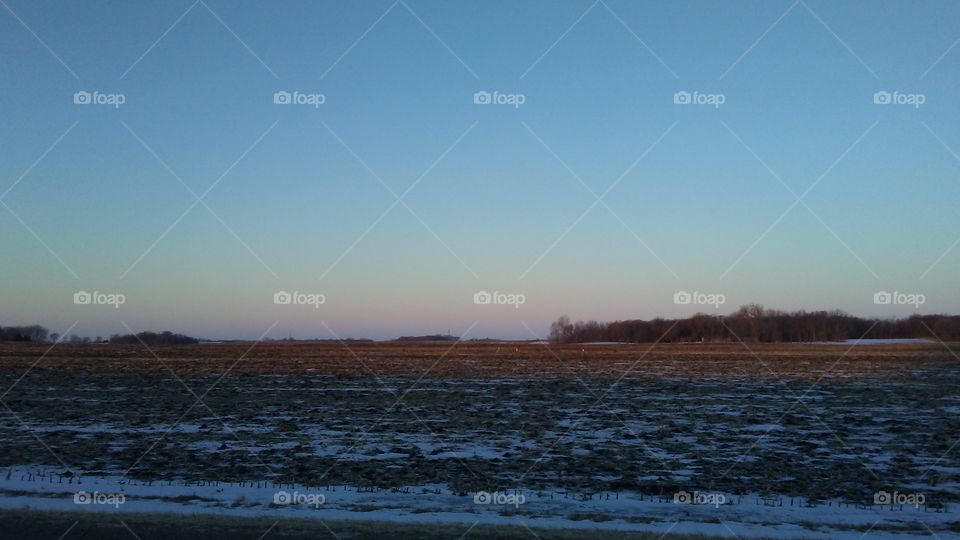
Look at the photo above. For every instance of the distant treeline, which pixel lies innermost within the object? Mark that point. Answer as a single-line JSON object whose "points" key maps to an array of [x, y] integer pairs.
{"points": [[753, 322], [153, 338], [435, 337], [24, 333], [38, 334]]}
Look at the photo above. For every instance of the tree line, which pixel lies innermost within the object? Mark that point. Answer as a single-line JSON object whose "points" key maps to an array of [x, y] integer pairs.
{"points": [[38, 334], [153, 338], [753, 322], [24, 333]]}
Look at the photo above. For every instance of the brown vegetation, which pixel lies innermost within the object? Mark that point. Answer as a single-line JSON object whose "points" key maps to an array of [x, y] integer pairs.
{"points": [[480, 360]]}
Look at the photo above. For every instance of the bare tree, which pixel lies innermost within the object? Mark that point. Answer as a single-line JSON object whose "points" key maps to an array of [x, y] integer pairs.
{"points": [[561, 330]]}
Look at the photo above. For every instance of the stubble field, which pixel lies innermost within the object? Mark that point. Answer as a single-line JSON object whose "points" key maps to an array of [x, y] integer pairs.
{"points": [[598, 435]]}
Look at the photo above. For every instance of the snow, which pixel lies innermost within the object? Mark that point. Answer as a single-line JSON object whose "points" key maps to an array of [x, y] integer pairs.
{"points": [[746, 516], [895, 341]]}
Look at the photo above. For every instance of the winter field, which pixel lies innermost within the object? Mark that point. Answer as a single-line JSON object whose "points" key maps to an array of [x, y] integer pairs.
{"points": [[481, 440]]}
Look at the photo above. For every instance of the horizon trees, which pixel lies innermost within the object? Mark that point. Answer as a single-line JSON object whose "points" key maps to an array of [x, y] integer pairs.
{"points": [[153, 338], [753, 322], [39, 334], [35, 333]]}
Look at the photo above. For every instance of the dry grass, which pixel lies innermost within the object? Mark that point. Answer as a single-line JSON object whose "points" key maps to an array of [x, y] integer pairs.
{"points": [[815, 421], [485, 360]]}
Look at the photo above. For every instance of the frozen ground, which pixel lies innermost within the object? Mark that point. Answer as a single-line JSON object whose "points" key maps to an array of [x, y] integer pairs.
{"points": [[745, 516], [807, 454], [901, 341]]}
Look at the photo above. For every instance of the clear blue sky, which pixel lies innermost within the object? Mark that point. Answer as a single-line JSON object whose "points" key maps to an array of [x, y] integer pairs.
{"points": [[701, 206]]}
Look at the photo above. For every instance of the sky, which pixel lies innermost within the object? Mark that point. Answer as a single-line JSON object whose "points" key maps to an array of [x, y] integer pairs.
{"points": [[584, 158]]}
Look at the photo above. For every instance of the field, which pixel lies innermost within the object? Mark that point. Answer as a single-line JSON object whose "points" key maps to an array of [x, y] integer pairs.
{"points": [[752, 440]]}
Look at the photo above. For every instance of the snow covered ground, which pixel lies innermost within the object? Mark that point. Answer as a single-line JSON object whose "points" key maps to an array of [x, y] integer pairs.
{"points": [[705, 513], [899, 341], [812, 439]]}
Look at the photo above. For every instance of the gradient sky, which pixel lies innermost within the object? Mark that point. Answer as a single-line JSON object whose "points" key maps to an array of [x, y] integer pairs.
{"points": [[701, 206]]}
